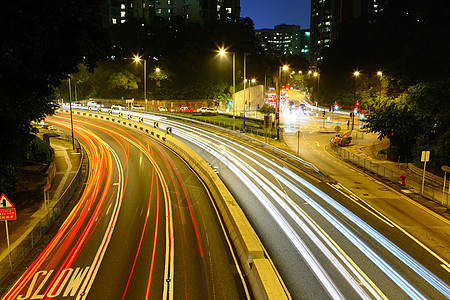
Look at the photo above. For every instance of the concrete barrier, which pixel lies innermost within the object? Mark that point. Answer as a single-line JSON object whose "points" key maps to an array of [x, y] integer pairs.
{"points": [[262, 276]]}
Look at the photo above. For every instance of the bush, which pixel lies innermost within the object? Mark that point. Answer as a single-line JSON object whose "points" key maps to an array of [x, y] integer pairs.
{"points": [[39, 151]]}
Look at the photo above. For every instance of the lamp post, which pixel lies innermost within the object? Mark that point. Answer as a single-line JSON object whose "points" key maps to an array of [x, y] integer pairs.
{"points": [[380, 76], [138, 59], [223, 52], [356, 74], [157, 70], [317, 74], [277, 115], [71, 118], [245, 83]]}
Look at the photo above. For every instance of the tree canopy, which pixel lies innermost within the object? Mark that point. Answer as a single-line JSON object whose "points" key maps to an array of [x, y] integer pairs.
{"points": [[41, 43]]}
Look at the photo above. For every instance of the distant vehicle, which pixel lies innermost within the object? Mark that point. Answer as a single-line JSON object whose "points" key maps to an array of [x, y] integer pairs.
{"points": [[93, 104], [341, 140], [185, 109], [118, 107], [163, 108], [211, 110], [202, 109], [137, 107]]}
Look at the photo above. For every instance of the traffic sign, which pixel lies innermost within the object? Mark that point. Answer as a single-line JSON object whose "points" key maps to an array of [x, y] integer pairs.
{"points": [[4, 202], [7, 214]]}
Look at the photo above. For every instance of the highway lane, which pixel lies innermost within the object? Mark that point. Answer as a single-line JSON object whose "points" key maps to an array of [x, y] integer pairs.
{"points": [[144, 229], [319, 238]]}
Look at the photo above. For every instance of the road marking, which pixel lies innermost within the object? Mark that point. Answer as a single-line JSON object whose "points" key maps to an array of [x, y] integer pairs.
{"points": [[444, 264], [446, 267], [68, 280], [340, 188]]}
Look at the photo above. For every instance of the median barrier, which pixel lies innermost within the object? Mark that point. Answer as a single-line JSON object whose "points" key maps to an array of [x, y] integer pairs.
{"points": [[262, 276]]}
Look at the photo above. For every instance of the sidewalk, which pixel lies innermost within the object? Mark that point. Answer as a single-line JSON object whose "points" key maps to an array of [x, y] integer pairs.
{"points": [[432, 196], [365, 150], [33, 215]]}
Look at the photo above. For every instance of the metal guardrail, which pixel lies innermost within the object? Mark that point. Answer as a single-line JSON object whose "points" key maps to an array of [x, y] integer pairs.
{"points": [[430, 191], [19, 253]]}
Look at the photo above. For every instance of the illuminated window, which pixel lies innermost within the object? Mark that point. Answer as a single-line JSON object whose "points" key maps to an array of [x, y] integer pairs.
{"points": [[228, 9], [114, 20], [122, 14], [158, 11], [122, 6], [218, 7], [122, 21], [169, 10]]}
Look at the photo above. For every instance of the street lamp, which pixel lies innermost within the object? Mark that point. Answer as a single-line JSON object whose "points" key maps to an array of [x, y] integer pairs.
{"points": [[137, 59], [317, 74], [277, 115], [157, 70], [356, 74], [223, 52], [380, 76]]}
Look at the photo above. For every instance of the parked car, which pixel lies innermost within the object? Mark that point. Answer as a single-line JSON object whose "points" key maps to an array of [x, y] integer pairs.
{"points": [[202, 109], [118, 107], [162, 108], [137, 107], [185, 109]]}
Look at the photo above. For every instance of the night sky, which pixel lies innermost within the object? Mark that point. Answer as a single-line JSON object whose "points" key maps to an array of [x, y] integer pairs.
{"points": [[268, 13]]}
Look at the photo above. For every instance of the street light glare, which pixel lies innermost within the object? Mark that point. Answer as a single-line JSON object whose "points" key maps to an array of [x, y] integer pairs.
{"points": [[222, 51], [285, 67], [379, 73], [157, 69], [356, 73], [253, 80], [136, 58], [316, 74]]}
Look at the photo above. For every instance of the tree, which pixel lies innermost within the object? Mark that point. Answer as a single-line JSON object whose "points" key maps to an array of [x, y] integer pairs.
{"points": [[267, 109], [41, 43], [401, 125]]}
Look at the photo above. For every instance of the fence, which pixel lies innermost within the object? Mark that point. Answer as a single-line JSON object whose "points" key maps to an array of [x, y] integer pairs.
{"points": [[432, 190], [19, 253]]}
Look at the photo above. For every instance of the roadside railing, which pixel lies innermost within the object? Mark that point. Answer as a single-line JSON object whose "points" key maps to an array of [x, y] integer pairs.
{"points": [[413, 184], [19, 253]]}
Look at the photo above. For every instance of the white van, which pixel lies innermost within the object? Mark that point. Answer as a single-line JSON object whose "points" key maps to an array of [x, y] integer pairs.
{"points": [[93, 104]]}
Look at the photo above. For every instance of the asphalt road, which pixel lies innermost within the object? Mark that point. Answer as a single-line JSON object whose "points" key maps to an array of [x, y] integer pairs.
{"points": [[145, 228], [325, 242]]}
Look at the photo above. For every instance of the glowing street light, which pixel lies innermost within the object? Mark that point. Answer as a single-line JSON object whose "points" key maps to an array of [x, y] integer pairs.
{"points": [[277, 115], [356, 74], [137, 59], [223, 52], [380, 76]]}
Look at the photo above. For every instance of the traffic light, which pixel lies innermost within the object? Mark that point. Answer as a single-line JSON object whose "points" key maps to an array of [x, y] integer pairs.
{"points": [[323, 113], [336, 106], [357, 104], [230, 102], [363, 115]]}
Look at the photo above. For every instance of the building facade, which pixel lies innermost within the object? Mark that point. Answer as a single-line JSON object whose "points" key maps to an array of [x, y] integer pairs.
{"points": [[287, 39], [121, 11], [328, 15]]}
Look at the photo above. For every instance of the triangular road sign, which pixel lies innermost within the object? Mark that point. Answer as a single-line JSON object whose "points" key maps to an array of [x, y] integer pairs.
{"points": [[4, 202]]}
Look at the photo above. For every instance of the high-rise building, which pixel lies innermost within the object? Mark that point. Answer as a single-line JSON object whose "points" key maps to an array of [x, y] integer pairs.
{"points": [[328, 15], [121, 11], [286, 39]]}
